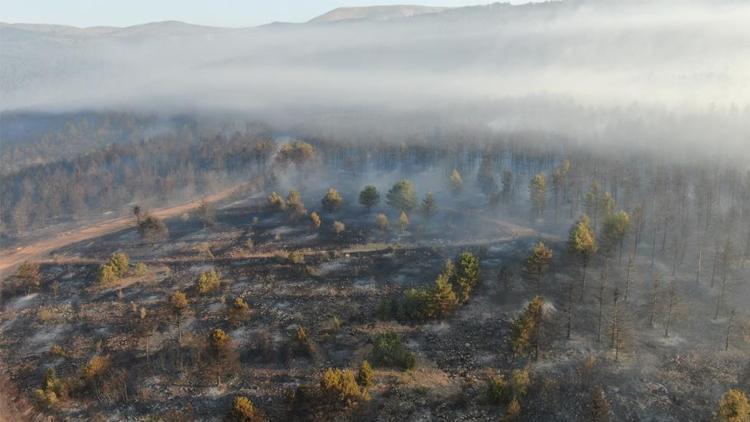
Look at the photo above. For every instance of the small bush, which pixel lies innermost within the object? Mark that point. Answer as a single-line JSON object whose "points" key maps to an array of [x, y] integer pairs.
{"points": [[498, 390], [140, 269], [58, 350], [513, 412], [120, 263], [338, 227], [365, 375], [96, 367], [382, 222], [243, 410], [520, 382], [106, 275], [151, 227], [340, 386], [29, 276], [208, 282], [53, 389], [116, 268], [239, 312], [389, 351], [296, 257], [276, 202], [315, 221]]}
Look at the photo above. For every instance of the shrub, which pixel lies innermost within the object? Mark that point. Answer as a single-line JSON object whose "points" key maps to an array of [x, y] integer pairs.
{"points": [[365, 375], [733, 407], [275, 202], [389, 351], [520, 381], [29, 276], [599, 408], [106, 275], [206, 213], [332, 200], [335, 323], [140, 269], [338, 227], [120, 263], [423, 304], [58, 350], [294, 205], [208, 282], [300, 343], [513, 411], [96, 367], [53, 389], [296, 257], [315, 221], [340, 386], [498, 390], [243, 410], [150, 227], [239, 311], [114, 269]]}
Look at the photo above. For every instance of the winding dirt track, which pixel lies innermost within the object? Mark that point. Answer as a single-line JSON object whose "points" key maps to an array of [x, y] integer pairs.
{"points": [[9, 259]]}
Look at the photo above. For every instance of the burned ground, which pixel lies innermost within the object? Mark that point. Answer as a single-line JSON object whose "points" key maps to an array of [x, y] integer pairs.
{"points": [[159, 364]]}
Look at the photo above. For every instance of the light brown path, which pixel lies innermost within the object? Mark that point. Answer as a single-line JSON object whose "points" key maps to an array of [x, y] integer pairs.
{"points": [[9, 259]]}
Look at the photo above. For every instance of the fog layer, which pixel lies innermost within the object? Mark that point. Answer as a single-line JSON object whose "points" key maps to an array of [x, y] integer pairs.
{"points": [[576, 68]]}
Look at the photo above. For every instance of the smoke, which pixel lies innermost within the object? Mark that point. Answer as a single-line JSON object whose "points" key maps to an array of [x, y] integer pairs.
{"points": [[668, 72]]}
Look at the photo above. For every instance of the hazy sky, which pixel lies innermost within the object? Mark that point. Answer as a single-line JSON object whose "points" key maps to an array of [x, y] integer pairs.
{"points": [[236, 13]]}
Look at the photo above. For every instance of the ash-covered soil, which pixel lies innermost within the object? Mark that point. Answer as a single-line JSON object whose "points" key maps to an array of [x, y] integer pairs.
{"points": [[158, 366]]}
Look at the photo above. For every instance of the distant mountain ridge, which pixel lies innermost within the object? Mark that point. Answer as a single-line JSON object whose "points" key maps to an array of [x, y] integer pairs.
{"points": [[376, 13]]}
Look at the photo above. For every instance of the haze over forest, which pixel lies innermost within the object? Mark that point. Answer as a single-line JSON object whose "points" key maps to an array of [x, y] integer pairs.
{"points": [[632, 72]]}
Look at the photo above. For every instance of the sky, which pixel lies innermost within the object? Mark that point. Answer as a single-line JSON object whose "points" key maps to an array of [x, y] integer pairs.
{"points": [[230, 13]]}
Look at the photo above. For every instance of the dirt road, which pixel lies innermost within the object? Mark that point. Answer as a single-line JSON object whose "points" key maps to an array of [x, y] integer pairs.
{"points": [[9, 259]]}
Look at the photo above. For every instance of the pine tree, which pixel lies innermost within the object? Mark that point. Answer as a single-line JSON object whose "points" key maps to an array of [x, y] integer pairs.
{"points": [[369, 197], [402, 196], [538, 194], [582, 242], [525, 328], [614, 230], [294, 205], [538, 262], [428, 207], [442, 298], [332, 200], [507, 182], [456, 181]]}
